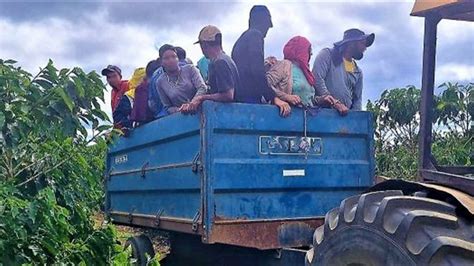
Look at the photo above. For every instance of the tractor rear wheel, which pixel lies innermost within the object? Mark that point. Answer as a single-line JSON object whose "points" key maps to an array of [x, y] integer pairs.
{"points": [[389, 228]]}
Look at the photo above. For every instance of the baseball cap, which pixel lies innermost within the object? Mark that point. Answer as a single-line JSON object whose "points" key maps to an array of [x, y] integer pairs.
{"points": [[110, 69], [208, 34]]}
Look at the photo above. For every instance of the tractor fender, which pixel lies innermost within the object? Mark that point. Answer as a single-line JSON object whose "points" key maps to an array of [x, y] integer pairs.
{"points": [[463, 200]]}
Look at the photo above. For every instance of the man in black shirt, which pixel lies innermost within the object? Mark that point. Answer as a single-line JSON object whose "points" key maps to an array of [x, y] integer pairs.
{"points": [[248, 55], [223, 76]]}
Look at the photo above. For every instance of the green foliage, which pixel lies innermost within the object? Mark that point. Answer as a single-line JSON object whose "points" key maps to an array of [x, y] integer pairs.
{"points": [[452, 149], [398, 110], [397, 116], [39, 105], [455, 107], [397, 162], [51, 168]]}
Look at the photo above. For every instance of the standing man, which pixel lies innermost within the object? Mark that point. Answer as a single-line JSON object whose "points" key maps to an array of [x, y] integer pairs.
{"points": [[119, 86], [248, 55], [337, 73], [223, 76]]}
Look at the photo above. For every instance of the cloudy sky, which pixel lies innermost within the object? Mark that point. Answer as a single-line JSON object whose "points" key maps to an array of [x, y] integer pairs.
{"points": [[93, 34]]}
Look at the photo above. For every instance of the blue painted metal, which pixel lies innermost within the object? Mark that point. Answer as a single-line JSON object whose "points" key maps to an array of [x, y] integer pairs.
{"points": [[151, 171]]}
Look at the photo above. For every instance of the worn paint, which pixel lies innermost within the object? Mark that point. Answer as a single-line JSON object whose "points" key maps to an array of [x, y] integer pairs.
{"points": [[265, 234], [212, 164]]}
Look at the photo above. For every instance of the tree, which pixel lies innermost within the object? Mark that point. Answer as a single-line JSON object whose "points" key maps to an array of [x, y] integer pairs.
{"points": [[396, 118], [51, 167], [455, 108]]}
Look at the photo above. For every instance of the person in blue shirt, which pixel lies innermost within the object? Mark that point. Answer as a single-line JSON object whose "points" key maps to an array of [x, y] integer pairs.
{"points": [[154, 102], [203, 66]]}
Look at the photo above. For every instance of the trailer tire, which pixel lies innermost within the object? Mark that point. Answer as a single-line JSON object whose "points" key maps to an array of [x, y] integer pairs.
{"points": [[141, 245], [389, 228]]}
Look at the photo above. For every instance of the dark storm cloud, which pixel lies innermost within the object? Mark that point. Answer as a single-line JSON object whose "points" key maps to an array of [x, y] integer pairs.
{"points": [[154, 14], [393, 61], [159, 17], [19, 11]]}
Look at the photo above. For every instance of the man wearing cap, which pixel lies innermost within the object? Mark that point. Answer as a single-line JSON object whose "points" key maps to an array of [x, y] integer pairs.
{"points": [[119, 86], [223, 77], [248, 55], [337, 73]]}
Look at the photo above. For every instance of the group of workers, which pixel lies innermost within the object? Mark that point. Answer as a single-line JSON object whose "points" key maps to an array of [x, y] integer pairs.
{"points": [[172, 83]]}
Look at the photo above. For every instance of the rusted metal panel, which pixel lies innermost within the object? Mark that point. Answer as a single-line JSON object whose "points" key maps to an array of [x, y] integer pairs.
{"points": [[465, 200], [260, 180], [212, 164], [447, 9], [456, 169], [434, 11], [424, 5], [265, 234], [458, 182], [154, 221], [427, 89], [380, 179]]}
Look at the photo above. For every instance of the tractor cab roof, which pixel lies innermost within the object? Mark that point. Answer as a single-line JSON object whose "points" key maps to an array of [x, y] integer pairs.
{"points": [[445, 9]]}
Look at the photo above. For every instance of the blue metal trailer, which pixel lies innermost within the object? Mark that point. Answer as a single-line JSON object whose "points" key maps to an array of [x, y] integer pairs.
{"points": [[238, 184], [239, 174]]}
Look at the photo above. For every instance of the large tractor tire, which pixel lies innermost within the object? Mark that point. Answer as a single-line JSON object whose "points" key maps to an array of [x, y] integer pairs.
{"points": [[142, 249], [389, 228]]}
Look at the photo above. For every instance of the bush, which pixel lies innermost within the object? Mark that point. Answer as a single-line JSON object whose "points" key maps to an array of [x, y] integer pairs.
{"points": [[51, 168], [397, 116]]}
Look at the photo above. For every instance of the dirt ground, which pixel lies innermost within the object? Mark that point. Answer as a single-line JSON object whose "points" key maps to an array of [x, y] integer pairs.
{"points": [[160, 239]]}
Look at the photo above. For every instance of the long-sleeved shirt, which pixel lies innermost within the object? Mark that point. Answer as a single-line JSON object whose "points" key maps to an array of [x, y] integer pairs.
{"points": [[279, 78], [117, 94], [287, 78], [248, 55], [336, 81], [154, 101], [141, 113], [175, 91]]}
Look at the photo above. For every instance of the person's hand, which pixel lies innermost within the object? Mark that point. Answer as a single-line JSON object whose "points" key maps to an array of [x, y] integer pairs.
{"points": [[184, 108], [329, 100], [192, 107], [284, 107], [294, 100], [270, 61], [341, 108]]}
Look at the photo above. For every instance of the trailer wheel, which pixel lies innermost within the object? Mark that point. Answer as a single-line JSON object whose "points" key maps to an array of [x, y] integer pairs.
{"points": [[141, 245], [389, 228]]}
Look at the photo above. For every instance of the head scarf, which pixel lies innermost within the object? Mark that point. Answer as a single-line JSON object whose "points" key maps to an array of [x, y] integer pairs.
{"points": [[297, 51]]}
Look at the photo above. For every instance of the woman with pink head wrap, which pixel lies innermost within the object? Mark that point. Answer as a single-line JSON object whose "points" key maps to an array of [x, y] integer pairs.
{"points": [[291, 78]]}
